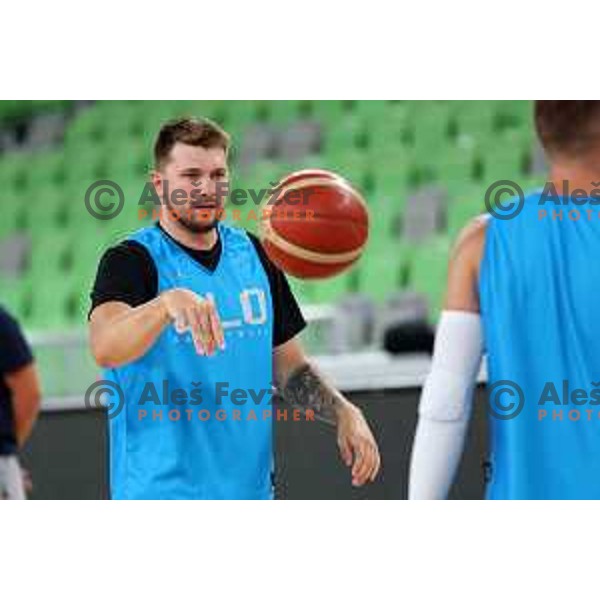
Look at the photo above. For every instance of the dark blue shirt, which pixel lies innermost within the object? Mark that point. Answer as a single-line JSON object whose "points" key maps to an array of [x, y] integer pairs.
{"points": [[15, 354]]}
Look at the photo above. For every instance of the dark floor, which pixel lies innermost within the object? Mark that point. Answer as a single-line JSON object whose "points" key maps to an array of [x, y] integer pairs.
{"points": [[67, 454]]}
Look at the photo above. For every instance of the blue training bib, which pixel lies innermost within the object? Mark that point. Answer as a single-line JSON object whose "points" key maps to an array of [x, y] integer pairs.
{"points": [[539, 290], [200, 427]]}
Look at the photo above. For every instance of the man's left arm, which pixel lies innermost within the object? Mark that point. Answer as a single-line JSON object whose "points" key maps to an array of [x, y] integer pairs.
{"points": [[301, 384]]}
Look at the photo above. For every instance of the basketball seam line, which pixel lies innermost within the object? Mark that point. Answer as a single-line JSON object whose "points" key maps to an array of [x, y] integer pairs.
{"points": [[268, 234]]}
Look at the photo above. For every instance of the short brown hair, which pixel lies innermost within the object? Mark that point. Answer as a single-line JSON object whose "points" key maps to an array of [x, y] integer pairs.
{"points": [[195, 132], [568, 127]]}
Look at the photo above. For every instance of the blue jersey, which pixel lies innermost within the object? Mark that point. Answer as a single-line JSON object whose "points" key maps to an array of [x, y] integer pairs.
{"points": [[539, 294], [192, 426], [15, 354]]}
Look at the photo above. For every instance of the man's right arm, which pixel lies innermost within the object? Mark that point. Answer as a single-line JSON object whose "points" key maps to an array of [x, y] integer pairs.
{"points": [[128, 316], [120, 334]]}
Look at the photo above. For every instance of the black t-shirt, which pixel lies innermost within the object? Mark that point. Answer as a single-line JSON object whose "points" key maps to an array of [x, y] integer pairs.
{"points": [[15, 354], [127, 273]]}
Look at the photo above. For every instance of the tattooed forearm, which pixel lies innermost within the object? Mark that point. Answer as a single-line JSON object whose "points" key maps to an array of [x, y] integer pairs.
{"points": [[307, 389]]}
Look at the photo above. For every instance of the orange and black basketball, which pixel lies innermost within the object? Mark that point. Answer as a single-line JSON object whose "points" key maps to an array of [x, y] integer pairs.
{"points": [[316, 226]]}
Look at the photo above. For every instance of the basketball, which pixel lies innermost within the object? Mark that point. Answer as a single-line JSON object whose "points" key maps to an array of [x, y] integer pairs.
{"points": [[316, 224]]}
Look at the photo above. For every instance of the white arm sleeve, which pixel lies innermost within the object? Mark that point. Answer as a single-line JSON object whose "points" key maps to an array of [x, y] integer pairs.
{"points": [[445, 406]]}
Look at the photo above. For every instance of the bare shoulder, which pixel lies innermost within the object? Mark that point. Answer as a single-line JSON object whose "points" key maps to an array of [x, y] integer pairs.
{"points": [[472, 235], [463, 270], [471, 240]]}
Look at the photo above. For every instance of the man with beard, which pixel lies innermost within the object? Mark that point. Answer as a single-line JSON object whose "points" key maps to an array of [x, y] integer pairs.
{"points": [[235, 322]]}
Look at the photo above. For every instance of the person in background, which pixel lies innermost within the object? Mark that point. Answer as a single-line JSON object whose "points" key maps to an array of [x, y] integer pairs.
{"points": [[523, 289], [19, 404]]}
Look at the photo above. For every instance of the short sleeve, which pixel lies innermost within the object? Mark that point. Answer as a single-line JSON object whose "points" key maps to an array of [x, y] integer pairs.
{"points": [[288, 318], [127, 274]]}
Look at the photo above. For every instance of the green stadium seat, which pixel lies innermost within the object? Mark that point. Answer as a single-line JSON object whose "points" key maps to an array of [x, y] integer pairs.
{"points": [[428, 272], [474, 118], [49, 249], [123, 120], [463, 211], [310, 161], [505, 159], [87, 251], [328, 291], [127, 160], [387, 149], [385, 216], [45, 209], [388, 143], [348, 134], [14, 296], [45, 169], [381, 270], [89, 127], [392, 174], [514, 114], [350, 163], [238, 114], [13, 172], [303, 290], [50, 303], [284, 112], [81, 297], [371, 111], [12, 211], [389, 134], [431, 131], [13, 110], [329, 112], [85, 165], [454, 169], [50, 365]]}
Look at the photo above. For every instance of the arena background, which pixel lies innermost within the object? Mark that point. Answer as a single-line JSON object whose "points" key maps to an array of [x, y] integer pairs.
{"points": [[423, 168]]}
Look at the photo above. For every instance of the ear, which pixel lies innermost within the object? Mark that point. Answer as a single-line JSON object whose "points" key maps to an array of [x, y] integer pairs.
{"points": [[157, 181]]}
